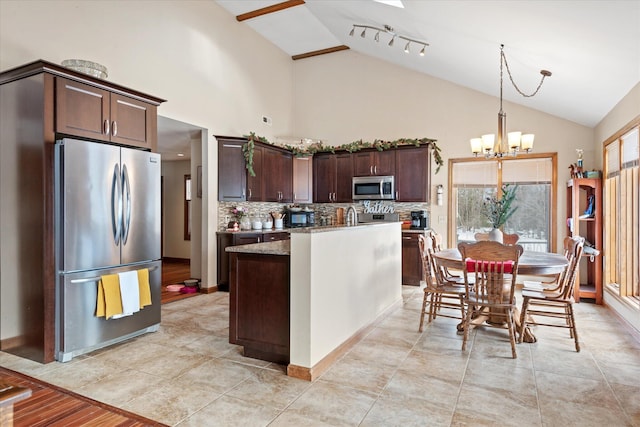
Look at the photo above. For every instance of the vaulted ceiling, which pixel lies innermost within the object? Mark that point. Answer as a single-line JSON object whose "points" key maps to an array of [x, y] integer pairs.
{"points": [[591, 47]]}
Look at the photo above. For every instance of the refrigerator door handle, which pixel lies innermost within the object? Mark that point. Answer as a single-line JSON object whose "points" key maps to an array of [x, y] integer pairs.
{"points": [[126, 189], [116, 204]]}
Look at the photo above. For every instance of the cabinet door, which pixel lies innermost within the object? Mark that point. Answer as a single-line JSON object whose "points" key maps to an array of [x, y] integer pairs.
{"points": [[82, 110], [302, 180], [370, 163], [412, 174], [232, 171], [344, 177], [254, 183], [324, 178], [277, 176], [362, 163], [384, 163], [133, 122], [411, 260]]}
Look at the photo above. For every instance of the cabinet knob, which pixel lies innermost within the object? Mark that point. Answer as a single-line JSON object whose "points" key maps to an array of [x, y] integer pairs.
{"points": [[105, 127], [114, 126]]}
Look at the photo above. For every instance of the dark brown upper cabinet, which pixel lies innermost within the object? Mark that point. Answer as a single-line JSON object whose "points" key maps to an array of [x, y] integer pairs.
{"points": [[88, 111], [412, 173], [232, 171], [332, 174], [374, 163]]}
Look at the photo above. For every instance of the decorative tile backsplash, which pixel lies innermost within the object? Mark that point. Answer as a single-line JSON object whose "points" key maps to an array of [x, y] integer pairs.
{"points": [[261, 209]]}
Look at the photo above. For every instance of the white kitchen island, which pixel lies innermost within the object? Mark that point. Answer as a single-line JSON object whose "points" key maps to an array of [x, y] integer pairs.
{"points": [[341, 280]]}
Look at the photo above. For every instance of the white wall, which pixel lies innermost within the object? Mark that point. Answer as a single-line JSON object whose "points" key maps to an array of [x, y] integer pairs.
{"points": [[347, 96], [173, 209]]}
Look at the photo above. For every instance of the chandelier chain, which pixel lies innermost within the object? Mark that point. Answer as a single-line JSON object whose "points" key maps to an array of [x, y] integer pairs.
{"points": [[504, 58]]}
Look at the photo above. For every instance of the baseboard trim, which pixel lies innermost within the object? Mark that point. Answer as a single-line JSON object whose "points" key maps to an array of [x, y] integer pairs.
{"points": [[208, 290], [313, 373], [180, 260]]}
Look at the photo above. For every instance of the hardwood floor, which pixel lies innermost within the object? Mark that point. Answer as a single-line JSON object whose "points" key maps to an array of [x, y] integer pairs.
{"points": [[51, 405], [174, 272]]}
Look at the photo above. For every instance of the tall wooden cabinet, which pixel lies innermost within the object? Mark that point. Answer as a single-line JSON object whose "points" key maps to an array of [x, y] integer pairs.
{"points": [[40, 103], [332, 174], [232, 171], [584, 218]]}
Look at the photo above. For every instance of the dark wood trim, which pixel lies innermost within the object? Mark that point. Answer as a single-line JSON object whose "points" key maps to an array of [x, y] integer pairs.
{"points": [[209, 290], [187, 205], [311, 374], [171, 259], [320, 52], [41, 66], [269, 9]]}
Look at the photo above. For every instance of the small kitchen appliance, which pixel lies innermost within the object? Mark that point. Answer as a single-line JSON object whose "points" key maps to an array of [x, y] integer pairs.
{"points": [[419, 220], [299, 218]]}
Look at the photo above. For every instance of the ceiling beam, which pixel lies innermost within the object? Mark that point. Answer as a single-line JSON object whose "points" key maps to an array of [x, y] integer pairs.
{"points": [[320, 52], [269, 9]]}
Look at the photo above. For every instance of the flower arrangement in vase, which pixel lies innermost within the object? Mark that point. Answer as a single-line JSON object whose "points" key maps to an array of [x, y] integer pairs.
{"points": [[243, 217], [499, 209]]}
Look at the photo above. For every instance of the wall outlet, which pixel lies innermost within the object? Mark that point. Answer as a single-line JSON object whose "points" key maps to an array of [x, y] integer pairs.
{"points": [[226, 219], [267, 120]]}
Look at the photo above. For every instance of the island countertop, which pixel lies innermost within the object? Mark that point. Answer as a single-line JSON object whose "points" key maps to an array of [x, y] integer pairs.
{"points": [[279, 247]]}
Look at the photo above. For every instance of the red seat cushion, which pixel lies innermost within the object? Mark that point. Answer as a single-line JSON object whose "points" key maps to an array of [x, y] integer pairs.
{"points": [[489, 266]]}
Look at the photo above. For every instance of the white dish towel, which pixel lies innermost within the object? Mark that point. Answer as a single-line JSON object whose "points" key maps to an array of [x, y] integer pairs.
{"points": [[129, 292]]}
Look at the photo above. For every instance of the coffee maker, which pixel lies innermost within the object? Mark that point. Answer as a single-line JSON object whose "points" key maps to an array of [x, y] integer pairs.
{"points": [[419, 220]]}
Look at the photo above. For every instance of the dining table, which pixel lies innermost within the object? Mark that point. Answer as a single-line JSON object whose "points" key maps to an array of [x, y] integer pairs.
{"points": [[530, 263]]}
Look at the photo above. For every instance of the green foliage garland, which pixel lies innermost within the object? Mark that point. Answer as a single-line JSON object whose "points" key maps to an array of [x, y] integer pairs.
{"points": [[352, 147]]}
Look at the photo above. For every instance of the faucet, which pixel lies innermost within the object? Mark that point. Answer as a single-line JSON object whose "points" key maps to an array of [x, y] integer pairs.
{"points": [[352, 216]]}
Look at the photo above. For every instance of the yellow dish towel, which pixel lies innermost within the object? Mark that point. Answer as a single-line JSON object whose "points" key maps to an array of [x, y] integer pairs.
{"points": [[109, 302], [143, 285]]}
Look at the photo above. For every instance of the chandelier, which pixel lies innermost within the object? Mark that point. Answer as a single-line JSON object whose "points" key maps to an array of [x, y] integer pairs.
{"points": [[388, 30], [513, 141]]}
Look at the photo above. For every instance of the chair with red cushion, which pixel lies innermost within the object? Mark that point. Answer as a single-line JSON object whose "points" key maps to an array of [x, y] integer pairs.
{"points": [[490, 270]]}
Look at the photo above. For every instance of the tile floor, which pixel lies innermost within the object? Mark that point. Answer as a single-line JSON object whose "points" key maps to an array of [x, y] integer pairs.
{"points": [[187, 374]]}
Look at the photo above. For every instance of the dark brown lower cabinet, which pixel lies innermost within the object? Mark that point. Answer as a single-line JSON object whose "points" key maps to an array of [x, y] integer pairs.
{"points": [[411, 260], [259, 305], [227, 238]]}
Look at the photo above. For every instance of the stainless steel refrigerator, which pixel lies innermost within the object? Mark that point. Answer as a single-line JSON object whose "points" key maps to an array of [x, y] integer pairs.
{"points": [[107, 206]]}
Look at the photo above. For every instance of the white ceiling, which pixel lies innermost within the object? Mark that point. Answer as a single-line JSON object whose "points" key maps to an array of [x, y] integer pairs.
{"points": [[591, 47]]}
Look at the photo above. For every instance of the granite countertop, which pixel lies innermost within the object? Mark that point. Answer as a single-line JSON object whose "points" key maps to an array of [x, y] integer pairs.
{"points": [[279, 247], [263, 230], [408, 230], [326, 228]]}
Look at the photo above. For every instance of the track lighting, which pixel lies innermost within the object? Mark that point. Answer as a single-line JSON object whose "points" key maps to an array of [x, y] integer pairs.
{"points": [[388, 30]]}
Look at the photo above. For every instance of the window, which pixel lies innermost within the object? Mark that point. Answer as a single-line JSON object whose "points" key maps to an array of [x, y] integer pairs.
{"points": [[472, 180], [621, 219]]}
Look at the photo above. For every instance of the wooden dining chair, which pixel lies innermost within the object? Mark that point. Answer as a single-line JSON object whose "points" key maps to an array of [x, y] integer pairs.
{"points": [[557, 302], [507, 239], [494, 268], [444, 273], [438, 293]]}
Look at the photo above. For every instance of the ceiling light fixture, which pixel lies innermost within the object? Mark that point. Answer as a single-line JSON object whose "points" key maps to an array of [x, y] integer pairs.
{"points": [[513, 141], [388, 30]]}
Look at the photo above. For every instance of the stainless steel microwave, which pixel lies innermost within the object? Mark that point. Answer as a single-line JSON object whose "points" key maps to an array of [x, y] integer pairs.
{"points": [[373, 188]]}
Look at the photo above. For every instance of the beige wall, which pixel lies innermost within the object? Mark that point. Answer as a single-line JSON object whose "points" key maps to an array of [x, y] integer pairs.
{"points": [[346, 96], [173, 209], [215, 73]]}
